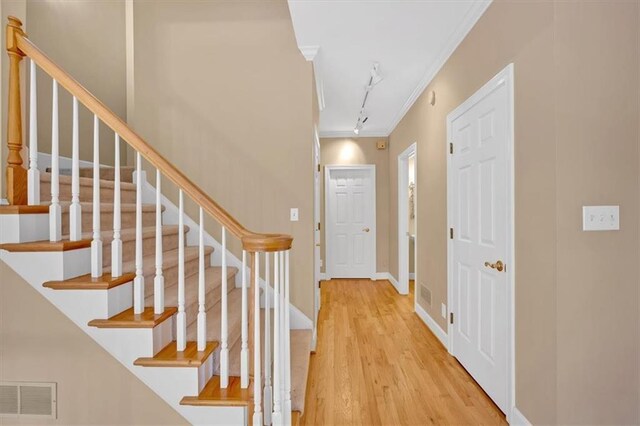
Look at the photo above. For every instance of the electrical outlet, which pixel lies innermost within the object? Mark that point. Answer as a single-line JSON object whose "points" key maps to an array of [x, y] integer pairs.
{"points": [[444, 311], [294, 215], [600, 218]]}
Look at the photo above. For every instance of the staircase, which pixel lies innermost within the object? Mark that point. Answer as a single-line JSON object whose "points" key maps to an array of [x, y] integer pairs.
{"points": [[209, 332]]}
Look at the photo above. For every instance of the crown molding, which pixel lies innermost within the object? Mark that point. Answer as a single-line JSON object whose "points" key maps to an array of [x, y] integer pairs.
{"points": [[472, 16], [309, 52]]}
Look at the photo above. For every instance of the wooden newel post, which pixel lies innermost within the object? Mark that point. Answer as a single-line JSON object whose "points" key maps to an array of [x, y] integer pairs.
{"points": [[16, 173]]}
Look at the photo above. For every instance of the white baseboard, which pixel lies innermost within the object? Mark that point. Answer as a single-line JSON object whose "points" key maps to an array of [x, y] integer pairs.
{"points": [[4, 202], [412, 275], [517, 418], [433, 326], [387, 276], [323, 276]]}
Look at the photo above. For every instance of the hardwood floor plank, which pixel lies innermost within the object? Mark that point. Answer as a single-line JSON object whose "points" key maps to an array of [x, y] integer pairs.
{"points": [[377, 363]]}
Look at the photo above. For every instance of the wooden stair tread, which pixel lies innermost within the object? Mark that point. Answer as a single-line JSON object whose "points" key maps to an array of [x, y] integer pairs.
{"points": [[128, 234], [39, 209], [87, 282], [170, 357], [127, 319], [212, 395], [39, 246]]}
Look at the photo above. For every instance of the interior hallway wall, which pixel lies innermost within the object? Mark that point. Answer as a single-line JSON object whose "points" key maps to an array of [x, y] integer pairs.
{"points": [[341, 151], [576, 143], [222, 90]]}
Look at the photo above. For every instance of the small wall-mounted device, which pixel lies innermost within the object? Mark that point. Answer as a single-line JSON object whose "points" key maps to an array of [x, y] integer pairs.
{"points": [[382, 144], [600, 218]]}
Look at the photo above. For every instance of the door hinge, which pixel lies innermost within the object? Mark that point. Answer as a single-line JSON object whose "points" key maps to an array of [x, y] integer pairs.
{"points": [[318, 167], [318, 226], [450, 147], [451, 233], [451, 317]]}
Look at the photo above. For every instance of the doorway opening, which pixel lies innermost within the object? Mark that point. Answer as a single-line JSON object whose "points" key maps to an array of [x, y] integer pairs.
{"points": [[407, 214]]}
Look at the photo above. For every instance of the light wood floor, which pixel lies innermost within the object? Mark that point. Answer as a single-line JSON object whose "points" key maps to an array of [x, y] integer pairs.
{"points": [[377, 363]]}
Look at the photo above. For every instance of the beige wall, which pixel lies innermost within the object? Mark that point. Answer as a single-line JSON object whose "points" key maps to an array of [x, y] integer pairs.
{"points": [[87, 39], [40, 344], [362, 151], [576, 142], [223, 92]]}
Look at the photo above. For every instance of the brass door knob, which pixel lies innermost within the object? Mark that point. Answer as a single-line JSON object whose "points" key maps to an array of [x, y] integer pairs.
{"points": [[365, 229], [499, 266]]}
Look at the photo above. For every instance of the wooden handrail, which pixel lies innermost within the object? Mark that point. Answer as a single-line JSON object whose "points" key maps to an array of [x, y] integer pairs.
{"points": [[252, 241]]}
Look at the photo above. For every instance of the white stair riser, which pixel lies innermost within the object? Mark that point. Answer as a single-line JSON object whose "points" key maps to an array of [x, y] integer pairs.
{"points": [[22, 228]]}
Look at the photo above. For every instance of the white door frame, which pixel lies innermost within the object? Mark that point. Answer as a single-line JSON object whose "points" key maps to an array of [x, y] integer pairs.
{"points": [[504, 77], [316, 233], [403, 218], [374, 232]]}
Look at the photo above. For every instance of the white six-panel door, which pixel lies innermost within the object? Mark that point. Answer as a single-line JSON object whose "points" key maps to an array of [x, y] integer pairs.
{"points": [[480, 250], [350, 218]]}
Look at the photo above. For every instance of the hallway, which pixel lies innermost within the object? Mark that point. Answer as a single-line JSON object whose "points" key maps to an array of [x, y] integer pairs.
{"points": [[377, 363]]}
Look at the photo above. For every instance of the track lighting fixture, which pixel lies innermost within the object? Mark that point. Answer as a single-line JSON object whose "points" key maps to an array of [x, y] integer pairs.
{"points": [[374, 79]]}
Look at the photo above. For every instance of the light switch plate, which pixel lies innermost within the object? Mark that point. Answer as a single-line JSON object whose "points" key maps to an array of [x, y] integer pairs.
{"points": [[294, 215], [444, 311], [600, 218]]}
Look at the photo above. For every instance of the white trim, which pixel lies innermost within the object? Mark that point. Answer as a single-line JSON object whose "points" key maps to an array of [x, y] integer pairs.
{"points": [[387, 276], [433, 326], [378, 133], [403, 216], [309, 52], [506, 77], [517, 418], [4, 202], [473, 15], [412, 275], [323, 276], [327, 174]]}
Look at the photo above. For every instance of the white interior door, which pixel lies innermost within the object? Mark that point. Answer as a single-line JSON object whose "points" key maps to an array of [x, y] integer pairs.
{"points": [[480, 250], [351, 221]]}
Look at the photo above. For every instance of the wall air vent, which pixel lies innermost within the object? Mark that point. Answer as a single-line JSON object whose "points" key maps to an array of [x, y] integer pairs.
{"points": [[425, 295], [27, 399]]}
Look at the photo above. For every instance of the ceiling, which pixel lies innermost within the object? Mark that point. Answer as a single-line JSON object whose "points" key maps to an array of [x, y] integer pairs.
{"points": [[410, 40]]}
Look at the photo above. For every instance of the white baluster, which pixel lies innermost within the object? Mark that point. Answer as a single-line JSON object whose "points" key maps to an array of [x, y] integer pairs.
{"points": [[138, 282], [181, 320], [267, 342], [244, 349], [55, 212], [96, 243], [202, 313], [257, 386], [33, 176], [75, 210], [276, 417], [224, 326], [116, 244], [287, 345], [282, 332], [158, 281]]}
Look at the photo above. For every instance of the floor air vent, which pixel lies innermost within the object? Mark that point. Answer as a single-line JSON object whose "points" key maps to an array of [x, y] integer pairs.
{"points": [[28, 399]]}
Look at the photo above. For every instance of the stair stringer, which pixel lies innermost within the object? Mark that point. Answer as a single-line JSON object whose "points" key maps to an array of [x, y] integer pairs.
{"points": [[299, 321], [124, 344]]}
